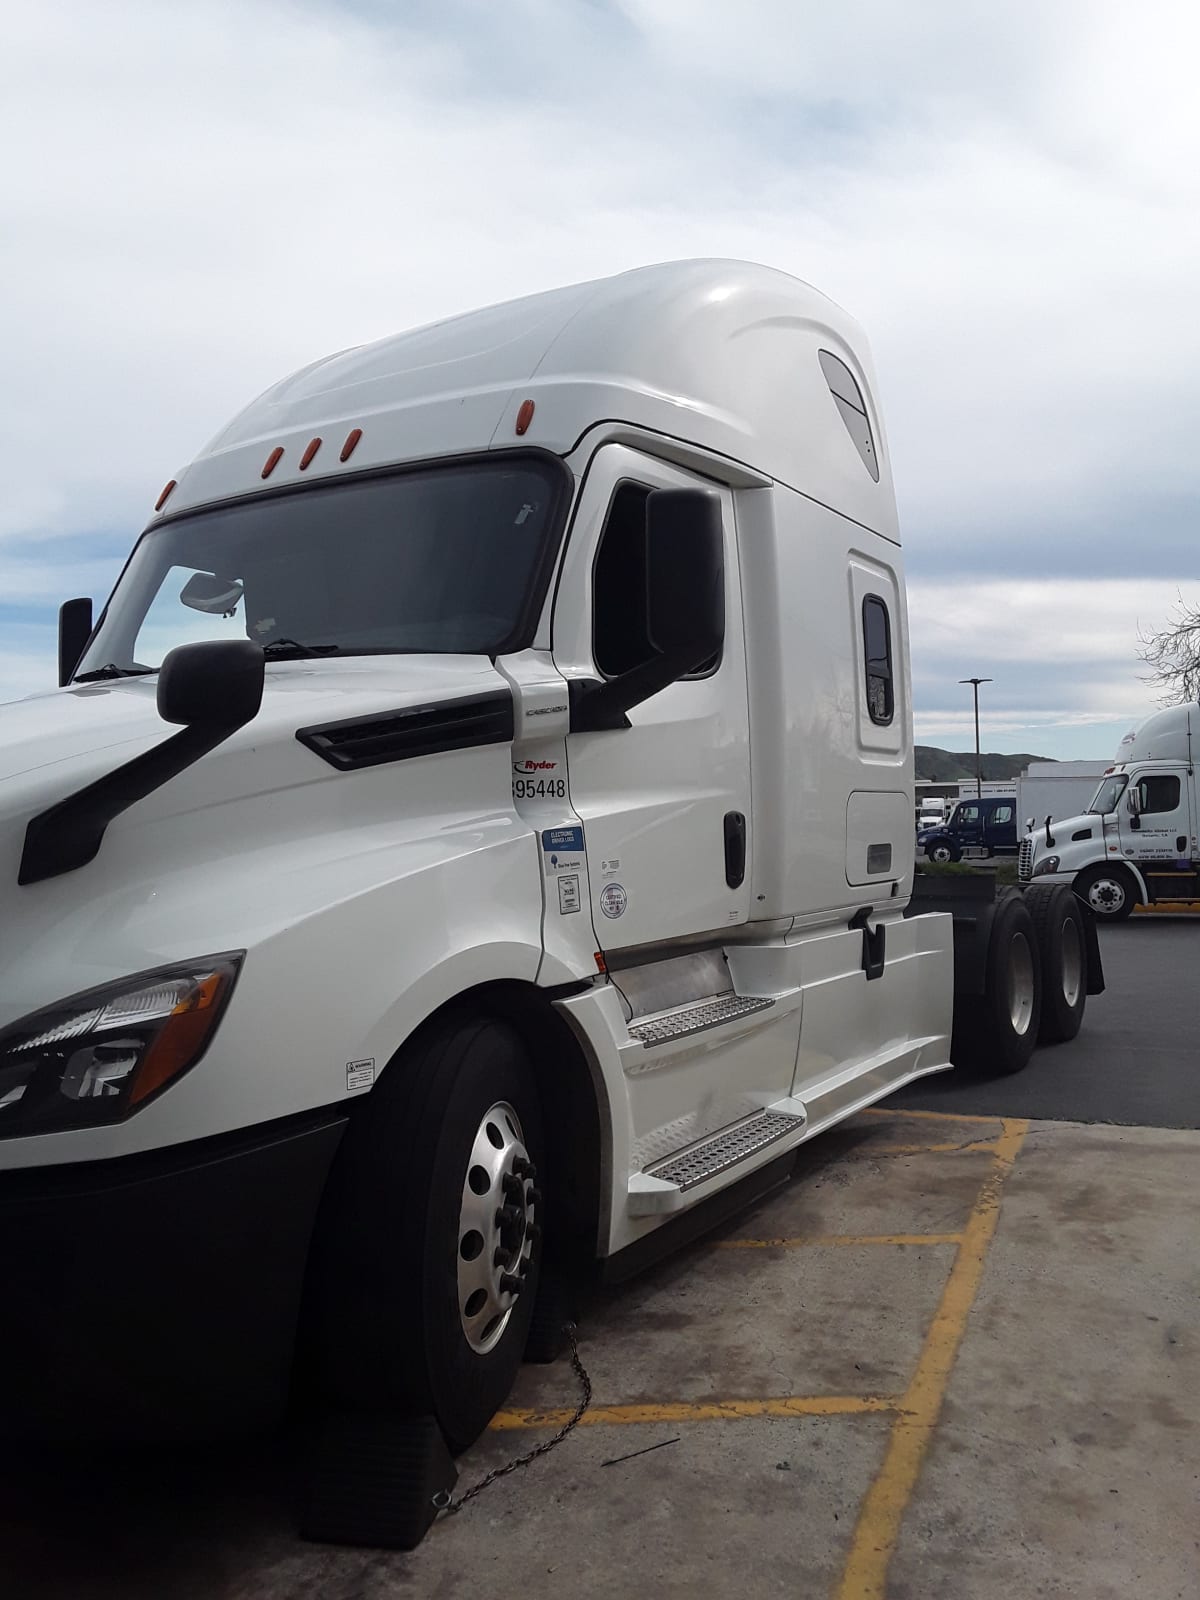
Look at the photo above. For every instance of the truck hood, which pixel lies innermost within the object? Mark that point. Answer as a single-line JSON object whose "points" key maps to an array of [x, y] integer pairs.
{"points": [[53, 745], [73, 735]]}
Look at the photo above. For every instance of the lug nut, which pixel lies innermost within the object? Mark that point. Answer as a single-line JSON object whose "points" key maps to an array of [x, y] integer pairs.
{"points": [[533, 1197], [524, 1169], [511, 1284], [514, 1188], [509, 1217], [533, 1232]]}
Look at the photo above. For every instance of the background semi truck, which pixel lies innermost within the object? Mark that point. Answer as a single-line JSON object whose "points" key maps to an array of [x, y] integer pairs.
{"points": [[472, 848], [1136, 843]]}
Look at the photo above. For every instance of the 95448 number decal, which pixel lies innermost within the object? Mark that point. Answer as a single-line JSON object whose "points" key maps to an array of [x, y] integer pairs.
{"points": [[539, 788]]}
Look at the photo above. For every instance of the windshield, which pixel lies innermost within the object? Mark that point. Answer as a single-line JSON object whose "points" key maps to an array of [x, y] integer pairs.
{"points": [[452, 560], [1108, 795]]}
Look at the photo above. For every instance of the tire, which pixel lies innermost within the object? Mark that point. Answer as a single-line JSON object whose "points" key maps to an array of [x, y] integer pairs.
{"points": [[411, 1237], [1111, 892], [1062, 955], [943, 852], [999, 1033]]}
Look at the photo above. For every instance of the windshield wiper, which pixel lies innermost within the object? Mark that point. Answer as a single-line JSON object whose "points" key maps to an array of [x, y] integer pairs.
{"points": [[285, 649], [111, 670]]}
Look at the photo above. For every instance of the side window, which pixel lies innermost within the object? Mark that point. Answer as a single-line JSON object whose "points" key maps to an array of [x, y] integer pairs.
{"points": [[966, 814], [1002, 814], [1159, 793], [847, 396], [620, 622], [877, 647]]}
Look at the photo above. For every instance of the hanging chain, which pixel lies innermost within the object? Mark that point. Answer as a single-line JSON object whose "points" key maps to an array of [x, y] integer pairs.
{"points": [[451, 1507]]}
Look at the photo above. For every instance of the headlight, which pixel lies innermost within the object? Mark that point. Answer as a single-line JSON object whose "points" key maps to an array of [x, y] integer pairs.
{"points": [[100, 1056], [1046, 864]]}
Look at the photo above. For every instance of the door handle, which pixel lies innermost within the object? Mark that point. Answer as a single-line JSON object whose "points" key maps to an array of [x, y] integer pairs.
{"points": [[735, 849]]}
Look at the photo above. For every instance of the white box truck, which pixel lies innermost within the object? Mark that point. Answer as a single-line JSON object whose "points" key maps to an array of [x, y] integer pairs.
{"points": [[473, 844], [1136, 843], [1057, 788]]}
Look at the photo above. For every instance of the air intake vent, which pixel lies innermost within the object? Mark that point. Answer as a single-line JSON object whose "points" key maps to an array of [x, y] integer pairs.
{"points": [[416, 731]]}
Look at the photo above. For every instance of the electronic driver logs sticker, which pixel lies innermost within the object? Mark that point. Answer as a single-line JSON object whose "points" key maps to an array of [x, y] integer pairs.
{"points": [[360, 1074], [563, 851], [613, 900]]}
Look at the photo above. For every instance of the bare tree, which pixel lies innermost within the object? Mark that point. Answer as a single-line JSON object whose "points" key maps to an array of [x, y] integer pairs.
{"points": [[1173, 655]]}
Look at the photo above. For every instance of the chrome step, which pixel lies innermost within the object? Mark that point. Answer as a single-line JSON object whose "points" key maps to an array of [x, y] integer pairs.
{"points": [[695, 1018], [725, 1149]]}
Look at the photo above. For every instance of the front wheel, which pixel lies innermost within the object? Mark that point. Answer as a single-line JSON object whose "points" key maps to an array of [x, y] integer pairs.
{"points": [[1110, 891], [429, 1246], [942, 853]]}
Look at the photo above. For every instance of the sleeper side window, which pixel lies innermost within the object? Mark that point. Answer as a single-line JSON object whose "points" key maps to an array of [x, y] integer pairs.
{"points": [[877, 647], [620, 617], [1002, 814]]}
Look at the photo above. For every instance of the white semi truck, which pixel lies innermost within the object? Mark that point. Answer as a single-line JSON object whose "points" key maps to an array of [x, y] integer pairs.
{"points": [[1136, 843], [472, 846]]}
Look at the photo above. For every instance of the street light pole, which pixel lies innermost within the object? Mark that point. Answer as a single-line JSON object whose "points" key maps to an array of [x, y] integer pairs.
{"points": [[975, 682]]}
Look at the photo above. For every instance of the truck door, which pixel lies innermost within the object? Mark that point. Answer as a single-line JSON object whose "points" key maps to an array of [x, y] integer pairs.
{"points": [[967, 824], [665, 802], [1002, 827], [1158, 835]]}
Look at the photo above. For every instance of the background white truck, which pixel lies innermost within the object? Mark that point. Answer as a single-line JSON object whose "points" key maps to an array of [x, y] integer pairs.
{"points": [[1136, 843], [474, 843]]}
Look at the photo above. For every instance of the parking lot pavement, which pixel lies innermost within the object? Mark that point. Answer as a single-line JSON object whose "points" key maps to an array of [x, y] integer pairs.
{"points": [[1134, 1060], [953, 1357]]}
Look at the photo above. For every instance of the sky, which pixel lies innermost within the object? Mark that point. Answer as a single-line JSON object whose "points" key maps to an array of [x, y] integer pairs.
{"points": [[199, 198]]}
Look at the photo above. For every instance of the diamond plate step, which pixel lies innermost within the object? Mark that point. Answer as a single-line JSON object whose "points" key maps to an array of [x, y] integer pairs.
{"points": [[725, 1149], [695, 1018]]}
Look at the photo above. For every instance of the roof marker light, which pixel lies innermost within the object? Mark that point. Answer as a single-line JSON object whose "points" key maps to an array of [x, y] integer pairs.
{"points": [[164, 496], [310, 450], [272, 461], [524, 416], [351, 444]]}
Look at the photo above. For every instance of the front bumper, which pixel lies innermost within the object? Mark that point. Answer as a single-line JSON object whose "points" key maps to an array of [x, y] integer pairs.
{"points": [[157, 1296]]}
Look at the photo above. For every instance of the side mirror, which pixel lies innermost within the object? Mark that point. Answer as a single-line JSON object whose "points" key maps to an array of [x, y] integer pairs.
{"points": [[74, 631], [215, 684], [685, 606], [1030, 824], [1134, 801], [685, 575], [212, 688]]}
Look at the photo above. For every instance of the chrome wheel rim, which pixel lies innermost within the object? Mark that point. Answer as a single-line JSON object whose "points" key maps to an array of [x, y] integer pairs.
{"points": [[1020, 984], [1072, 962], [1106, 896], [497, 1229], [941, 854]]}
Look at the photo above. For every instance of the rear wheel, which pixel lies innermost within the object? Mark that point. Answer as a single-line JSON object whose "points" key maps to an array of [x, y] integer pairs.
{"points": [[999, 1031], [1062, 951], [429, 1246], [1110, 891]]}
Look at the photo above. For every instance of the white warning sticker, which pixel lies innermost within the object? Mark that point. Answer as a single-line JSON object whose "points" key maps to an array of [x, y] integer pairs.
{"points": [[360, 1074], [568, 893]]}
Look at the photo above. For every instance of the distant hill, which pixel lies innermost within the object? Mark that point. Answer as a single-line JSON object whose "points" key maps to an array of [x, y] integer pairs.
{"points": [[945, 766]]}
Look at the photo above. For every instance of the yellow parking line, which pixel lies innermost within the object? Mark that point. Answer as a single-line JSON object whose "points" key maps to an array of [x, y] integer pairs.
{"points": [[865, 1574], [927, 1116], [926, 1149], [839, 1240], [794, 1405]]}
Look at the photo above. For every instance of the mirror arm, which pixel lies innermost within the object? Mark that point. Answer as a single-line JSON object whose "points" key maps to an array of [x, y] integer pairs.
{"points": [[601, 706]]}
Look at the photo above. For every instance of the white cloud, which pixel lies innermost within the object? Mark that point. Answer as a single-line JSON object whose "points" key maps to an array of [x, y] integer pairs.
{"points": [[211, 194]]}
